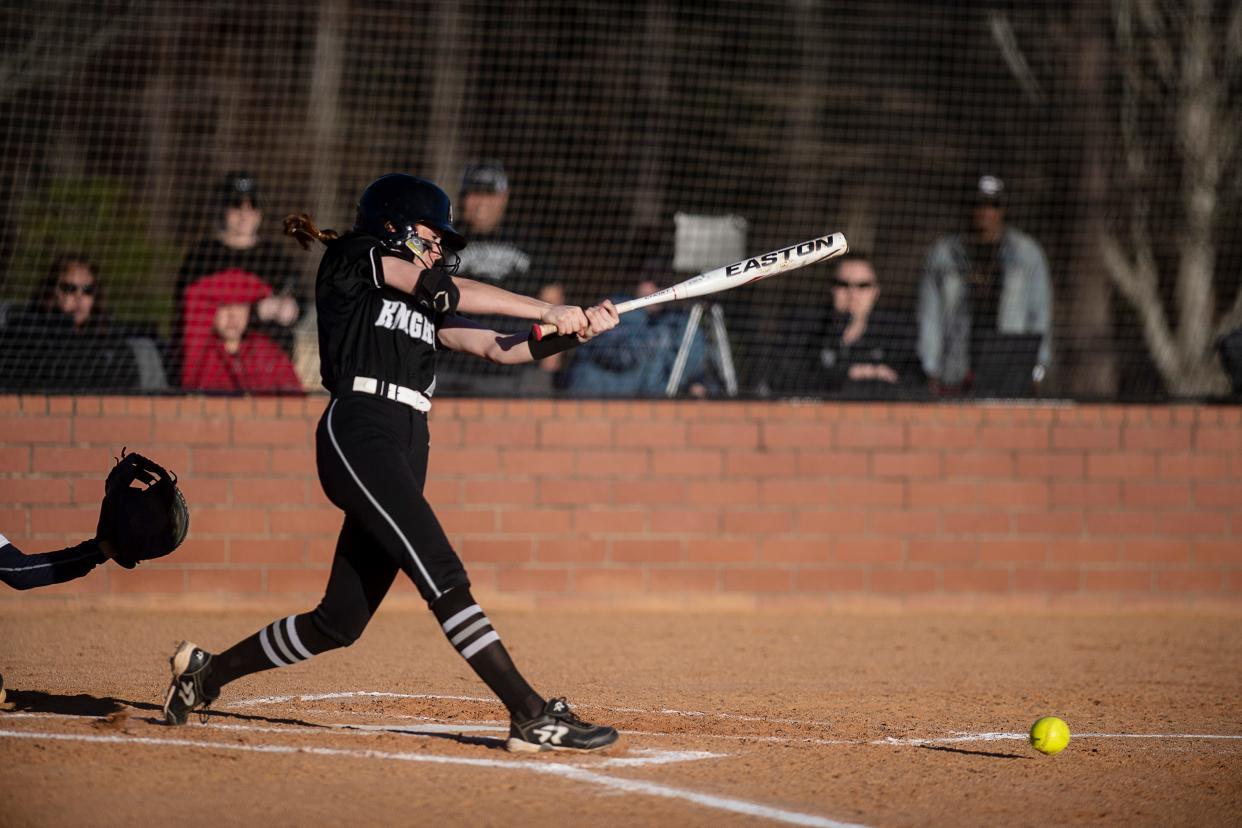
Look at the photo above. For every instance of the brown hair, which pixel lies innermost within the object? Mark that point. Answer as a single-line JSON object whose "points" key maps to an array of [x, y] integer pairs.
{"points": [[302, 227]]}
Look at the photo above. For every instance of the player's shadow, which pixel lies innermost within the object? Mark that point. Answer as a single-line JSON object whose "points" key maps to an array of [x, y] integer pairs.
{"points": [[988, 753], [83, 704], [489, 742]]}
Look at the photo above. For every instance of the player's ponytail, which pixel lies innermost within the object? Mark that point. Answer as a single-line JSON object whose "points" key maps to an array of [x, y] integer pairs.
{"points": [[302, 227]]}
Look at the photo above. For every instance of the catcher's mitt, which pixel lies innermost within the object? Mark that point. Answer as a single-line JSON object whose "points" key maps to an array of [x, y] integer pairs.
{"points": [[141, 521]]}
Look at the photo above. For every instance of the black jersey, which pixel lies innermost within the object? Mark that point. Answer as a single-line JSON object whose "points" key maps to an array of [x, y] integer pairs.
{"points": [[367, 329]]}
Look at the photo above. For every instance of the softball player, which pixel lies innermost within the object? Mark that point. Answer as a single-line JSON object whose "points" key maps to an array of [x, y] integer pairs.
{"points": [[22, 571], [386, 297]]}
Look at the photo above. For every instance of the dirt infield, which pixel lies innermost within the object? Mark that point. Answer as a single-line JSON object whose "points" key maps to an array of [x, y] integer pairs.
{"points": [[728, 719]]}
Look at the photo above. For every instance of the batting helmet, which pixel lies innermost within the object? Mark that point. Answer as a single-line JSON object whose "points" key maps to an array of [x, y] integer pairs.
{"points": [[392, 205]]}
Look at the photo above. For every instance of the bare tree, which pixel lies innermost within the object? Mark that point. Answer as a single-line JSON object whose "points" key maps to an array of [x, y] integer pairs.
{"points": [[1181, 84]]}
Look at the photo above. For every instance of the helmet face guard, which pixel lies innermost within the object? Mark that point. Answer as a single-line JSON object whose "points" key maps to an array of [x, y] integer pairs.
{"points": [[392, 207]]}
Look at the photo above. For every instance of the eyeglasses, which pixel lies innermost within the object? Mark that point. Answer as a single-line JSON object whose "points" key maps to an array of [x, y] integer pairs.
{"points": [[844, 285], [69, 288]]}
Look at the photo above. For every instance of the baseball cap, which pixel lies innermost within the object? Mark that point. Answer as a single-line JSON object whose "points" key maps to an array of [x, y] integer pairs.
{"points": [[239, 186], [990, 190], [486, 176]]}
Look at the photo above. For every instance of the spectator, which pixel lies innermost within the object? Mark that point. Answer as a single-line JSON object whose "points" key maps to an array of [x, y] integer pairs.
{"points": [[221, 354], [637, 359], [854, 349], [1229, 348], [992, 278], [64, 339], [498, 256], [236, 245]]}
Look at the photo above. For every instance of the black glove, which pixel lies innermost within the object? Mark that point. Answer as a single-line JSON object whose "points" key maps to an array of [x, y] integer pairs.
{"points": [[141, 522], [436, 292]]}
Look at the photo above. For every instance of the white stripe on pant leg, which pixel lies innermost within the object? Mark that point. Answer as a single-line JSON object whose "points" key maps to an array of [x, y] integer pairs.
{"points": [[268, 651], [280, 643], [483, 641], [469, 631], [473, 609], [413, 555], [291, 633]]}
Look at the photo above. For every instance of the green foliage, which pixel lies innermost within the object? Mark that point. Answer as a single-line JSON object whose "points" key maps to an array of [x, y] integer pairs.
{"points": [[100, 218]]}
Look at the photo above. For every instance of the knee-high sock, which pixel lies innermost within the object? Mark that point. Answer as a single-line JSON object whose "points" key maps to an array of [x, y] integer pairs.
{"points": [[470, 632], [281, 643]]}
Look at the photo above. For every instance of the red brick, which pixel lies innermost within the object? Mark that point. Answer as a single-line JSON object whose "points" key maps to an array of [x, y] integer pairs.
{"points": [[679, 463], [795, 550], [570, 550], [753, 463], [905, 464], [646, 551], [975, 523], [1084, 494], [903, 522], [817, 522], [486, 492], [685, 521], [1026, 579], [202, 491], [975, 580], [1170, 438], [536, 521], [756, 580], [1218, 495], [660, 434], [1027, 438], [236, 580], [1059, 465], [497, 551], [595, 434], [945, 437], [609, 521], [271, 433], [1218, 552], [467, 520], [903, 580], [268, 550], [44, 520], [795, 491], [721, 550], [1156, 496], [869, 493], [228, 521], [306, 521], [13, 521], [1156, 550], [612, 462], [1193, 466], [193, 551], [229, 461], [1192, 523], [63, 459], [1013, 551], [798, 436], [867, 550], [302, 581], [628, 580], [573, 492], [1226, 439], [496, 432], [1120, 523], [533, 580], [747, 522], [268, 491], [1014, 494], [973, 464], [718, 435], [1183, 580], [1085, 551], [15, 459], [840, 464], [941, 494], [1126, 466], [1048, 523], [871, 435], [722, 493], [1109, 580], [147, 579], [685, 580], [34, 490], [821, 579], [35, 429], [119, 431], [648, 492], [1094, 438], [940, 551]]}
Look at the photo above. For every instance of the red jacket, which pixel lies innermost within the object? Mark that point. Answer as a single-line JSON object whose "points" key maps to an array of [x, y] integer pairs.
{"points": [[258, 365]]}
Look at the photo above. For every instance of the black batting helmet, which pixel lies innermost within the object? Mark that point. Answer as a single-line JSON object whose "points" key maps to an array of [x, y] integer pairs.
{"points": [[393, 204]]}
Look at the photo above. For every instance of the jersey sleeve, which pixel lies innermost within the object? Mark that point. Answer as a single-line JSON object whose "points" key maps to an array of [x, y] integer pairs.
{"points": [[22, 571], [356, 266]]}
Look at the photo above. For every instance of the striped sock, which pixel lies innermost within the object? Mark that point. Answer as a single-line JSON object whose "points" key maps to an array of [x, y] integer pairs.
{"points": [[281, 643], [470, 632]]}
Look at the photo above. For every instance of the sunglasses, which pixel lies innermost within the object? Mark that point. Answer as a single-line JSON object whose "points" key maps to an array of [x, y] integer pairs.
{"points": [[69, 289], [844, 285]]}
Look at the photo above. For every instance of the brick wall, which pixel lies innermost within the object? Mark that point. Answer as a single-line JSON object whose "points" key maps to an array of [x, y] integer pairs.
{"points": [[688, 504]]}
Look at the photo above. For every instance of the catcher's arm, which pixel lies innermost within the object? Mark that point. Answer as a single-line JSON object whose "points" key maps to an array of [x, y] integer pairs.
{"points": [[22, 571]]}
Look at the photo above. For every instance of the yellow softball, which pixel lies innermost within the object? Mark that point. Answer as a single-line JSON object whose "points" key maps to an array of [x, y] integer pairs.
{"points": [[1049, 735]]}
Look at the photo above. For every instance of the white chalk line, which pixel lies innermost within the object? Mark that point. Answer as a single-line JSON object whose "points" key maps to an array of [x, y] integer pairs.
{"points": [[570, 772]]}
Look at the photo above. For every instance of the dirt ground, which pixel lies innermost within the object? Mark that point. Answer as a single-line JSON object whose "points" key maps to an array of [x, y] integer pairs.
{"points": [[727, 719]]}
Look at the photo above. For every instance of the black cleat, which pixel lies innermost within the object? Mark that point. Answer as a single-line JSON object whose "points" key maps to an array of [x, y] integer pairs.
{"points": [[557, 728], [187, 693]]}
